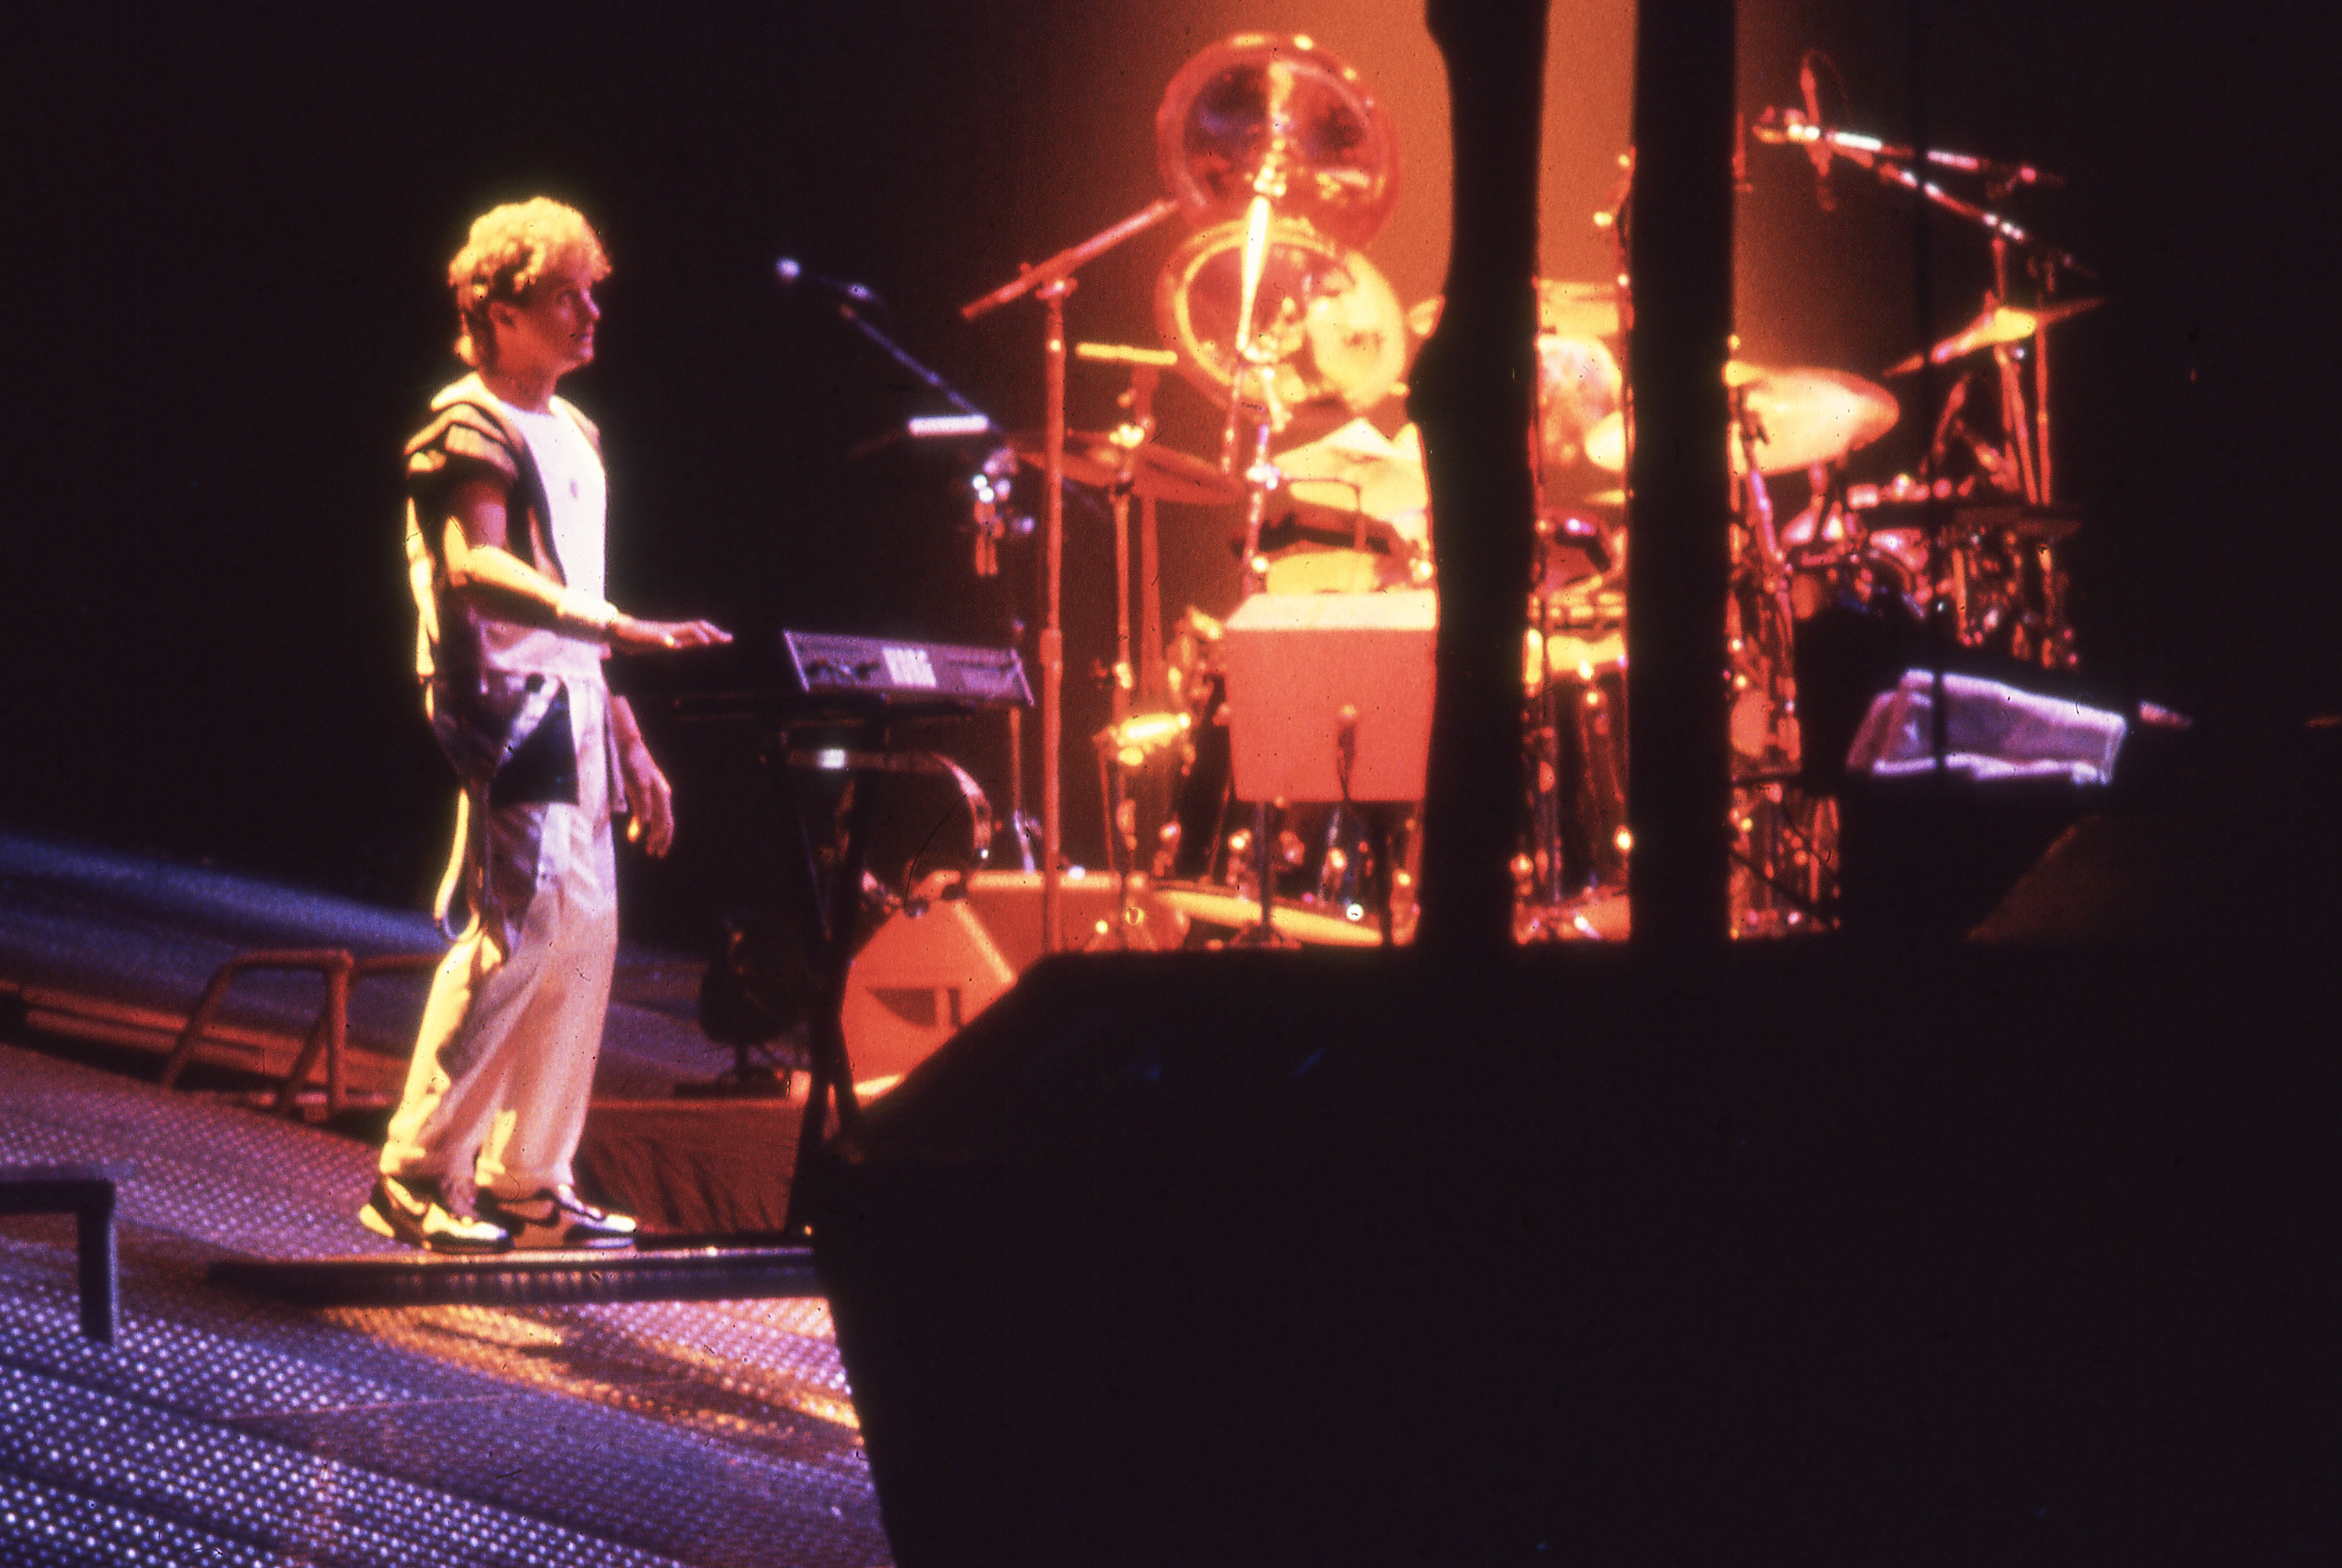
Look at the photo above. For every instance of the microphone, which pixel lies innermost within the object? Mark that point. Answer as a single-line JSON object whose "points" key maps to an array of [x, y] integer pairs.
{"points": [[1818, 148], [791, 272]]}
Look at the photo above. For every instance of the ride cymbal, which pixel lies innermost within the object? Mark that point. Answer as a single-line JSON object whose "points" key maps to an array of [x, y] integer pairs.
{"points": [[1801, 416]]}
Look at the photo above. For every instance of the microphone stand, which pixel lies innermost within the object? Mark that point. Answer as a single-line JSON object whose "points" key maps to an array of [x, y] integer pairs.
{"points": [[987, 553], [902, 356], [1052, 281]]}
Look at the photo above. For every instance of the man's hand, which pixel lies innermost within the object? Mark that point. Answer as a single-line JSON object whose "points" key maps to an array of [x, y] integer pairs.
{"points": [[631, 635], [652, 799]]}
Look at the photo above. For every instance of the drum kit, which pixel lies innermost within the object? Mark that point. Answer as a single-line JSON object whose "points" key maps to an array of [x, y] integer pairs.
{"points": [[1285, 165]]}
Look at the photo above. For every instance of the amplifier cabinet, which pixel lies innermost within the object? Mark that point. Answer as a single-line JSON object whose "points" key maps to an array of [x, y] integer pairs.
{"points": [[920, 978]]}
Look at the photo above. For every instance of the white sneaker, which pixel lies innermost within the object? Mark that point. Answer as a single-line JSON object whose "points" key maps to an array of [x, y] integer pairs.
{"points": [[415, 1210], [557, 1217]]}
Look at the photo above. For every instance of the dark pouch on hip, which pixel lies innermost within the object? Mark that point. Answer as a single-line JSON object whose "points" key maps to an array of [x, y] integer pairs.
{"points": [[543, 769]]}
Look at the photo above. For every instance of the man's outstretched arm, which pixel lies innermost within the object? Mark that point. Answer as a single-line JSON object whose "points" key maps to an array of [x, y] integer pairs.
{"points": [[481, 564]]}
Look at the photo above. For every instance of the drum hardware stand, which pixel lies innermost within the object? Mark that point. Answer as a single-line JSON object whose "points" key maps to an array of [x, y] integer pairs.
{"points": [[1260, 476], [1896, 165], [1377, 887], [1267, 852], [1147, 367], [1773, 569], [1763, 657], [1822, 910], [1051, 282], [1269, 187], [1255, 357]]}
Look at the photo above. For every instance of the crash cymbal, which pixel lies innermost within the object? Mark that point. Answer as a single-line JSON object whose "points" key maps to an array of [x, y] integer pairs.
{"points": [[1261, 98], [1216, 906], [1802, 416], [1582, 310], [1999, 324], [1094, 458], [1325, 319]]}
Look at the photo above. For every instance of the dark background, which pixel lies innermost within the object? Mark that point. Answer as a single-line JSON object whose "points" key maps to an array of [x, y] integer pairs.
{"points": [[227, 237]]}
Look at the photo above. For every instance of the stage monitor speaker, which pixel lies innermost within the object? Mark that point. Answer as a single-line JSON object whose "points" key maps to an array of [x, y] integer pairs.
{"points": [[1263, 1257], [1295, 662], [921, 978]]}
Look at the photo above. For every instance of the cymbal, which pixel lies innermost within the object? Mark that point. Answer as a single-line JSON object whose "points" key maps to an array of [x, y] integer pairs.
{"points": [[1568, 309], [1217, 906], [1999, 324], [1356, 469], [1259, 97], [1325, 319], [1802, 415], [1096, 458]]}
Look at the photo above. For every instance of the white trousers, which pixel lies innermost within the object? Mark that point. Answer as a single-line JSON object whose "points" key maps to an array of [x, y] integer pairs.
{"points": [[503, 1063]]}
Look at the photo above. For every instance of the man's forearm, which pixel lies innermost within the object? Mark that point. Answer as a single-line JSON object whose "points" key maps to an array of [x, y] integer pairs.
{"points": [[492, 567], [623, 727]]}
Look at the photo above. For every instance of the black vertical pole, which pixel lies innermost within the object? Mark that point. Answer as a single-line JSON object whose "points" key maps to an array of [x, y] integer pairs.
{"points": [[1472, 396], [95, 1258], [1679, 782], [1943, 624]]}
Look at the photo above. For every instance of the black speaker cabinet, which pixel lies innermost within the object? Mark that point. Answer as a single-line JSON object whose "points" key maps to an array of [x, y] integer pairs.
{"points": [[1817, 1252]]}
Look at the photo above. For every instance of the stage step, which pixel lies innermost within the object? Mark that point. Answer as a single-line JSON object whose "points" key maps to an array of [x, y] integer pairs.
{"points": [[671, 1273]]}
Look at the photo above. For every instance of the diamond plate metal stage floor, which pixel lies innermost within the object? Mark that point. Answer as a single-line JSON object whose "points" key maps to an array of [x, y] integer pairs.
{"points": [[285, 1386], [223, 1427]]}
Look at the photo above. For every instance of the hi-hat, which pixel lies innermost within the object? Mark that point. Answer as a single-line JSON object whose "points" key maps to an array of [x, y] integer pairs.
{"points": [[1096, 458], [1270, 102], [1357, 468], [1325, 319], [1800, 416], [1998, 325]]}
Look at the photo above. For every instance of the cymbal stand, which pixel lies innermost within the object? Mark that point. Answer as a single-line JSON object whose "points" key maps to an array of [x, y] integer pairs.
{"points": [[2060, 634], [2013, 418], [2044, 275], [1146, 373], [1764, 663], [1268, 188], [1052, 281], [1772, 567], [1260, 476]]}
